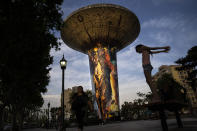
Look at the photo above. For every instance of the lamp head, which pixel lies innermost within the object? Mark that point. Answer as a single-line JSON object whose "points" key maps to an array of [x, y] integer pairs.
{"points": [[63, 63]]}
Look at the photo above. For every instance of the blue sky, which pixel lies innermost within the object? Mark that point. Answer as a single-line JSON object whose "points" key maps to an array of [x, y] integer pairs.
{"points": [[163, 22]]}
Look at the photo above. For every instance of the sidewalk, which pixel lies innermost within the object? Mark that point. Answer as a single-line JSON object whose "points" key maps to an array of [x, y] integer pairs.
{"points": [[190, 124]]}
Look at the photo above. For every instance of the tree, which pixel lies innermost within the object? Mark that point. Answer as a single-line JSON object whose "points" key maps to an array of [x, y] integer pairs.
{"points": [[27, 34], [126, 110], [189, 63], [169, 89], [135, 108], [145, 97], [54, 112]]}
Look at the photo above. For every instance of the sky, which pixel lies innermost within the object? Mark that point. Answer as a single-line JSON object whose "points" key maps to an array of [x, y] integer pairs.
{"points": [[163, 23]]}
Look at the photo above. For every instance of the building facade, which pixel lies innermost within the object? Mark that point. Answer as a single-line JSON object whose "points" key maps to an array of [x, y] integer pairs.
{"points": [[181, 78], [67, 105]]}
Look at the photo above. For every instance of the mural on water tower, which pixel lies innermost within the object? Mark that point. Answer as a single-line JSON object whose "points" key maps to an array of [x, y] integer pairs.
{"points": [[103, 69]]}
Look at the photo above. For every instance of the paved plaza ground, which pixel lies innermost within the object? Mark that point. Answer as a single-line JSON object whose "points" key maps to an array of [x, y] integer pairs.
{"points": [[190, 124]]}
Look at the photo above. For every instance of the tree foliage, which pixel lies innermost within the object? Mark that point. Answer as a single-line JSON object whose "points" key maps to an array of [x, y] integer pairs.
{"points": [[126, 109], [54, 111], [130, 110], [145, 97], [189, 63], [27, 35], [169, 89]]}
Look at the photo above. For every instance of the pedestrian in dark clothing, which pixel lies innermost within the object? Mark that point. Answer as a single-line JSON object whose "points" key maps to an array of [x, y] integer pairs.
{"points": [[59, 120], [80, 106]]}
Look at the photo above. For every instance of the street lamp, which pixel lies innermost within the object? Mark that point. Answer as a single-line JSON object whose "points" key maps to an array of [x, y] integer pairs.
{"points": [[63, 64], [48, 114]]}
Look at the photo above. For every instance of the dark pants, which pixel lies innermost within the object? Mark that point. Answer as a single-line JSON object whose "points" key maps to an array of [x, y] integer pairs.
{"points": [[80, 115]]}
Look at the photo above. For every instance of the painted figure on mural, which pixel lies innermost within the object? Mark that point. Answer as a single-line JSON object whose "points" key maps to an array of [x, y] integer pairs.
{"points": [[111, 63], [106, 95], [97, 77], [102, 81], [104, 76]]}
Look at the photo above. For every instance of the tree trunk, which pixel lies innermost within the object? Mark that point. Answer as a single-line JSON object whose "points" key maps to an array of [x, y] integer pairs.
{"points": [[1, 118], [21, 119], [14, 125]]}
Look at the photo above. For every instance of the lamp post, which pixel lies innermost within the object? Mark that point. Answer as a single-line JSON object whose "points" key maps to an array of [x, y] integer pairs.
{"points": [[48, 114], [63, 64]]}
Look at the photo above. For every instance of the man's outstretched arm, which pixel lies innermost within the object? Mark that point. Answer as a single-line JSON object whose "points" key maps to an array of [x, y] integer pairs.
{"points": [[155, 52], [156, 48]]}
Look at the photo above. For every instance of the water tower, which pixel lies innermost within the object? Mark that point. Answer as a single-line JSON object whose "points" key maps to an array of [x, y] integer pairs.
{"points": [[100, 31]]}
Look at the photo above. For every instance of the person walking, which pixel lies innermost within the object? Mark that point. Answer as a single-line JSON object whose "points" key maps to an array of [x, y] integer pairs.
{"points": [[58, 120], [80, 105]]}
